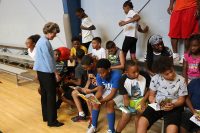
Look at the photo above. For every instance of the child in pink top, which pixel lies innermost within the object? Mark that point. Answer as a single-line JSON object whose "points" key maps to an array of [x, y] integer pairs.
{"points": [[192, 58]]}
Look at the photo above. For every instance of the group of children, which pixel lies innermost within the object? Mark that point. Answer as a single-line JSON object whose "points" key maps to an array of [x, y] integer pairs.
{"points": [[121, 84]]}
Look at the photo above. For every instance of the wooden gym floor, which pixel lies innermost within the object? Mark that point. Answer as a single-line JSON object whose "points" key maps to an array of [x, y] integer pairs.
{"points": [[20, 111]]}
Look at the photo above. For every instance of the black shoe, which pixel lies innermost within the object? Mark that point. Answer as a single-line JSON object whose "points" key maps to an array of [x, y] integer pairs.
{"points": [[56, 124]]}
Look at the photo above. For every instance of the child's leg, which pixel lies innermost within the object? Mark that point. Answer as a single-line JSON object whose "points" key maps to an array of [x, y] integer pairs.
{"points": [[148, 117], [132, 48], [111, 115], [123, 122], [172, 119], [95, 114], [77, 102], [172, 129], [137, 117]]}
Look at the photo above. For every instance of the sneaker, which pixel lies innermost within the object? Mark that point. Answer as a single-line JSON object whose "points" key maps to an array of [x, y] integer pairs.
{"points": [[92, 129], [78, 118], [110, 131]]}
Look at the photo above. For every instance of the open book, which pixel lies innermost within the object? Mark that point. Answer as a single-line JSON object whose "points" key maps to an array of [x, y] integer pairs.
{"points": [[127, 110], [90, 97], [193, 119], [155, 106], [75, 87]]}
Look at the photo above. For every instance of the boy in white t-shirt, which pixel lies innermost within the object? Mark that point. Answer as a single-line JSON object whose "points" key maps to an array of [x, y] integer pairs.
{"points": [[130, 27], [168, 90], [86, 27], [98, 52]]}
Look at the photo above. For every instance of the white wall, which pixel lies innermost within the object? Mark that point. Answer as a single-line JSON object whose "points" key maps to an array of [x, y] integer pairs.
{"points": [[19, 19], [106, 14]]}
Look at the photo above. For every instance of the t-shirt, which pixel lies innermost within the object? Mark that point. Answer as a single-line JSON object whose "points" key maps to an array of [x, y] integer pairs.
{"points": [[130, 28], [111, 82], [73, 50], [194, 92], [192, 71], [80, 73], [100, 53], [32, 54], [114, 59], [61, 67], [135, 88], [168, 89], [184, 4], [86, 34], [92, 77]]}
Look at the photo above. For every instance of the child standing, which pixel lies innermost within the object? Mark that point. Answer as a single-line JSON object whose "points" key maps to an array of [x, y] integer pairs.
{"points": [[115, 56], [98, 52], [133, 87], [30, 44], [130, 29], [192, 58], [193, 103], [107, 86], [164, 85], [156, 49], [86, 27]]}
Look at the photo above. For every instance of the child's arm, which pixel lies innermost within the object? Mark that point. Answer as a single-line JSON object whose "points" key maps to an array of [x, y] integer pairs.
{"points": [[122, 62], [75, 81], [189, 104], [88, 28], [185, 67], [133, 19], [170, 8], [152, 95], [99, 92], [180, 102], [110, 96], [143, 30], [126, 100]]}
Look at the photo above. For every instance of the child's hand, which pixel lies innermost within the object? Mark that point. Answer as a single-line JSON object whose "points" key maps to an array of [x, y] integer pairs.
{"points": [[142, 106], [168, 106], [58, 78], [169, 10], [86, 90], [197, 115], [122, 23], [126, 102]]}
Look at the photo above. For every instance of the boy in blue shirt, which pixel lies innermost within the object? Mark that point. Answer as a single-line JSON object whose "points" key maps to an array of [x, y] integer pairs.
{"points": [[193, 103], [107, 87]]}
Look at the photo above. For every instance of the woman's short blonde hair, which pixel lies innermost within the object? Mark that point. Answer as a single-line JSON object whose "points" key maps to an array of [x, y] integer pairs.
{"points": [[51, 27]]}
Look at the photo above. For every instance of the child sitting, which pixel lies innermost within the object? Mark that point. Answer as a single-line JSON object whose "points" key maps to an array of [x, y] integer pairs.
{"points": [[30, 44], [156, 49], [107, 86], [193, 103], [98, 52], [76, 45], [164, 85], [192, 59], [115, 56], [89, 65], [79, 80], [133, 87]]}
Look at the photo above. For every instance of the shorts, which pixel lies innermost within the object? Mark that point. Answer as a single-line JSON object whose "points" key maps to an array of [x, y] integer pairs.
{"points": [[129, 44], [170, 117], [187, 124], [68, 92], [183, 23], [87, 44]]}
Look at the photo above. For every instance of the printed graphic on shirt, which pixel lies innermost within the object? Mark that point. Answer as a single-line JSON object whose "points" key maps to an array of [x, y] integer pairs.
{"points": [[135, 91]]}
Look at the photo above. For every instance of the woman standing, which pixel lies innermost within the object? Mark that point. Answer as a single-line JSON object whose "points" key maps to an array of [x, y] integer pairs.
{"points": [[45, 66]]}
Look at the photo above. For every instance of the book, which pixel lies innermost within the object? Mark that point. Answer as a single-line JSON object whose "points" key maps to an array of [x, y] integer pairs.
{"points": [[127, 110], [90, 97], [193, 119], [75, 87], [155, 106]]}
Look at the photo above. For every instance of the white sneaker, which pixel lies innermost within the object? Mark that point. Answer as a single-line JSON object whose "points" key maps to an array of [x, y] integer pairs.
{"points": [[176, 57], [92, 129], [109, 131]]}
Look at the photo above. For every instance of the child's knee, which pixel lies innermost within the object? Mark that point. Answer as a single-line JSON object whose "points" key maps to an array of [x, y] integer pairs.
{"points": [[126, 116], [110, 105], [75, 93]]}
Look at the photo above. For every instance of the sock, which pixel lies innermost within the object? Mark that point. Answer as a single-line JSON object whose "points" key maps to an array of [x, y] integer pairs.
{"points": [[111, 121], [95, 115], [81, 113]]}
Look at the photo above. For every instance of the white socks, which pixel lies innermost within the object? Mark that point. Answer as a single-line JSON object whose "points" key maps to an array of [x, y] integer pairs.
{"points": [[81, 113]]}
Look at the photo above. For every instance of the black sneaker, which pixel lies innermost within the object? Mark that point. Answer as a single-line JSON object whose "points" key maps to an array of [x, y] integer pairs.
{"points": [[78, 118]]}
